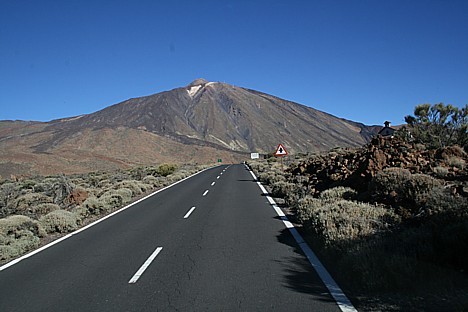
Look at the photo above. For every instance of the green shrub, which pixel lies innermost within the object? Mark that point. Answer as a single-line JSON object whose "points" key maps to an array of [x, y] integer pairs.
{"points": [[25, 202], [18, 234], [136, 187], [28, 184], [125, 193], [93, 205], [456, 162], [343, 221], [166, 169], [339, 192], [398, 186], [13, 248], [81, 213], [110, 202], [441, 172], [271, 177], [306, 208], [60, 221], [177, 176], [151, 180], [15, 224], [43, 209], [441, 202], [281, 189]]}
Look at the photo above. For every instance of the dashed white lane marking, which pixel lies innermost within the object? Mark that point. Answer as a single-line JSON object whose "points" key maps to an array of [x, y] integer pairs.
{"points": [[217, 177], [32, 253], [213, 183], [206, 192], [189, 212], [145, 265], [343, 302]]}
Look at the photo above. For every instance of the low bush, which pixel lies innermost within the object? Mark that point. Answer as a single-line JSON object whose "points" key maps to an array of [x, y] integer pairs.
{"points": [[398, 187], [125, 193], [152, 180], [24, 203], [43, 209], [136, 187], [81, 213], [60, 221], [13, 225], [339, 222], [339, 192], [441, 172], [166, 169], [282, 188], [456, 162], [441, 202], [270, 177], [93, 206], [18, 235], [110, 202]]}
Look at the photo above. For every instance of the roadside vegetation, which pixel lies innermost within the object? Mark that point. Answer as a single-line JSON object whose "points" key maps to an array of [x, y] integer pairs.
{"points": [[391, 218], [36, 210]]}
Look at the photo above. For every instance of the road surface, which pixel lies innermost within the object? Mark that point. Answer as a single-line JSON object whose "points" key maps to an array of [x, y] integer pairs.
{"points": [[209, 243]]}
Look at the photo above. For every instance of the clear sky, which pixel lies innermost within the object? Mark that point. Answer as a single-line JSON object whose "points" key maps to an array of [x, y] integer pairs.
{"points": [[363, 60]]}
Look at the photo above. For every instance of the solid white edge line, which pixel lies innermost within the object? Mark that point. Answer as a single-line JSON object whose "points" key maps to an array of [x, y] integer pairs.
{"points": [[32, 253], [189, 212], [206, 192], [145, 265], [343, 302]]}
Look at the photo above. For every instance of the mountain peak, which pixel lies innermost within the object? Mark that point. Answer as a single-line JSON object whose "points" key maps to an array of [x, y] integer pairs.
{"points": [[197, 82]]}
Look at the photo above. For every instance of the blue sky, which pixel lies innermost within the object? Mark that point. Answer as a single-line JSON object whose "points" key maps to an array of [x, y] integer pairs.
{"points": [[363, 60]]}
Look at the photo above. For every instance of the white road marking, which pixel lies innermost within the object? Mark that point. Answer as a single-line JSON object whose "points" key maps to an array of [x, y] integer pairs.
{"points": [[213, 183], [145, 265], [217, 177], [189, 212], [343, 302], [206, 192], [32, 253]]}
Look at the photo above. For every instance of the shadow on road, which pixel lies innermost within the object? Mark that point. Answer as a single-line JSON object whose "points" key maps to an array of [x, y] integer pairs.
{"points": [[299, 275]]}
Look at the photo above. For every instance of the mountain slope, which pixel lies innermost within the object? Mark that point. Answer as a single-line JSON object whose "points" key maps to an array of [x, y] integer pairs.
{"points": [[185, 121], [226, 116]]}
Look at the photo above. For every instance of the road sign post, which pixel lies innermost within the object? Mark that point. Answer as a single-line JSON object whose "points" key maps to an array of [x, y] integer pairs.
{"points": [[281, 152]]}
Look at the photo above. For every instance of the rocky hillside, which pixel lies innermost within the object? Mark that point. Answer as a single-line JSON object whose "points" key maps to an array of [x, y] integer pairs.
{"points": [[356, 168]]}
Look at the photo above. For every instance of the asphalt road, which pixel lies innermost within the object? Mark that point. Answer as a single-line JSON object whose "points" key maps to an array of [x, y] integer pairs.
{"points": [[229, 253]]}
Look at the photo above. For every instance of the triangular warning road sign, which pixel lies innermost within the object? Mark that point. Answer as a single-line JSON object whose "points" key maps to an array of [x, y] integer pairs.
{"points": [[281, 151]]}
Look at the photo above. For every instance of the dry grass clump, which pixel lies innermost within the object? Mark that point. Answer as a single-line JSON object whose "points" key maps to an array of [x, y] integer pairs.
{"points": [[59, 221]]}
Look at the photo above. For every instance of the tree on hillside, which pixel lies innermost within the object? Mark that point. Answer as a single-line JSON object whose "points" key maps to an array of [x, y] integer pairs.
{"points": [[439, 125]]}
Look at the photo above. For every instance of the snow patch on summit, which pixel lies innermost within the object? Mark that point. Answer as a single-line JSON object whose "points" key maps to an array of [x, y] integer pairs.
{"points": [[193, 90]]}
